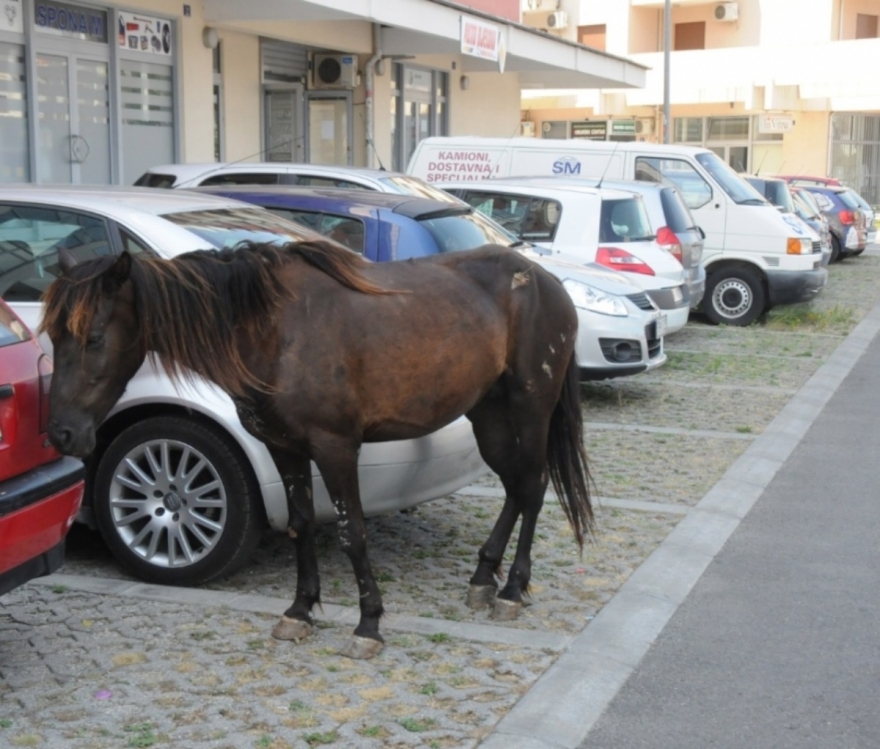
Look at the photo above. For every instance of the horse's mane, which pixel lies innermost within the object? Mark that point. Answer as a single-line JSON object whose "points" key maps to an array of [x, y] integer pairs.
{"points": [[189, 308]]}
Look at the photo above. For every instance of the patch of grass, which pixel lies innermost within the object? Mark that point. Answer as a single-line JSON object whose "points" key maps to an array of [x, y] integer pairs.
{"points": [[202, 635], [439, 637], [792, 316], [296, 706], [5, 723], [429, 688], [373, 732], [59, 589], [744, 430], [141, 734], [256, 644], [415, 725], [316, 739]]}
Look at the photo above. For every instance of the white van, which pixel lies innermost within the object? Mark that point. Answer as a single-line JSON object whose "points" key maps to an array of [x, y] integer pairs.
{"points": [[754, 258]]}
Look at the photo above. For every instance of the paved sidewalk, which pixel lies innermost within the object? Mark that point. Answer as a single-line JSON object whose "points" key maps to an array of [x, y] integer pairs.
{"points": [[776, 645]]}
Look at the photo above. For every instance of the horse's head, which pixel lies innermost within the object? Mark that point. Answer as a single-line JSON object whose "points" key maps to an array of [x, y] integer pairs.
{"points": [[91, 319]]}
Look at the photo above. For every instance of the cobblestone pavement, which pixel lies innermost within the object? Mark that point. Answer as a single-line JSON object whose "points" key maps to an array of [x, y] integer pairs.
{"points": [[91, 659]]}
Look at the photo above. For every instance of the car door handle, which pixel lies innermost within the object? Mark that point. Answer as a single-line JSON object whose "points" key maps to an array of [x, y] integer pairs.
{"points": [[6, 391]]}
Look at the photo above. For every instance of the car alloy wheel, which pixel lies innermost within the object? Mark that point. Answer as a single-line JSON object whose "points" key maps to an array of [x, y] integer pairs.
{"points": [[175, 502], [735, 296]]}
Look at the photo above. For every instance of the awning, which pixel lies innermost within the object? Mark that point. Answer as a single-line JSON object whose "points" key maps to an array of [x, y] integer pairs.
{"points": [[425, 27]]}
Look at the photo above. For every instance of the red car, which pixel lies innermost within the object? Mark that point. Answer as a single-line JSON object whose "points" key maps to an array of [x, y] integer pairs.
{"points": [[40, 492]]}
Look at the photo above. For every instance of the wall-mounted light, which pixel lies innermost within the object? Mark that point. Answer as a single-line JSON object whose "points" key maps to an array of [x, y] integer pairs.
{"points": [[464, 82], [210, 37]]}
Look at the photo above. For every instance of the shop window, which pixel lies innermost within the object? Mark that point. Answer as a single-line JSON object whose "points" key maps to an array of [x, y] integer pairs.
{"points": [[218, 104], [687, 129], [13, 115], [592, 36], [419, 109], [728, 128], [866, 26], [690, 35]]}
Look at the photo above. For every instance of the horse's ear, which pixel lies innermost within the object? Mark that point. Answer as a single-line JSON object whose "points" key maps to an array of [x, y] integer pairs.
{"points": [[66, 260], [118, 273]]}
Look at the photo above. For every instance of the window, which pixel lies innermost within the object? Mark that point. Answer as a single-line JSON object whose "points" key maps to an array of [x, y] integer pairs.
{"points": [[866, 26], [218, 104], [740, 191], [305, 179], [675, 210], [419, 109], [690, 36], [14, 163], [228, 226], [624, 221], [687, 129], [463, 231], [728, 128], [345, 230], [30, 239], [532, 219], [592, 36], [693, 188], [242, 178]]}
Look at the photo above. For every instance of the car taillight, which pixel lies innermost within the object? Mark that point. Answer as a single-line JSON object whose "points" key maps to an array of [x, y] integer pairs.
{"points": [[668, 240], [612, 257], [44, 368], [846, 217]]}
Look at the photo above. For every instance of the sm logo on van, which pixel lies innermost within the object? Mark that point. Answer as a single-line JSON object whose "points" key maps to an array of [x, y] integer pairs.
{"points": [[567, 165]]}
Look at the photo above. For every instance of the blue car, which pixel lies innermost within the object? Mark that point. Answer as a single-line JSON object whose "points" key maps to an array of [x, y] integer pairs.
{"points": [[620, 331], [379, 226], [846, 220]]}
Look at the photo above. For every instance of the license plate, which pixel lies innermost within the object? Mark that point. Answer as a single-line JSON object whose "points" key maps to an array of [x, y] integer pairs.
{"points": [[660, 325]]}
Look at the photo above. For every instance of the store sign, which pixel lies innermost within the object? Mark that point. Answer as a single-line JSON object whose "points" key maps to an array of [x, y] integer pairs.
{"points": [[484, 40], [11, 18], [590, 130], [65, 19], [623, 127], [775, 123], [144, 33]]}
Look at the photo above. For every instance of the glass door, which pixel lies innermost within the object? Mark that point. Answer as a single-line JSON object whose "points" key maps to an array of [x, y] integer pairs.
{"points": [[737, 157], [329, 128], [284, 131], [73, 128]]}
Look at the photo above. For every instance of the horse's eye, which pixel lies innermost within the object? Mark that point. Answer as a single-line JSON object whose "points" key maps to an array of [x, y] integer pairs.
{"points": [[94, 340]]}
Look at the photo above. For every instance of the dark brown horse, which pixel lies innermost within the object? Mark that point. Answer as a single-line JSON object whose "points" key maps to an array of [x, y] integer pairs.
{"points": [[322, 351]]}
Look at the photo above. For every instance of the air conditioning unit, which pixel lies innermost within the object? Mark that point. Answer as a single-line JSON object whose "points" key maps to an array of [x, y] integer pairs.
{"points": [[527, 129], [644, 127], [557, 20], [334, 71], [727, 11]]}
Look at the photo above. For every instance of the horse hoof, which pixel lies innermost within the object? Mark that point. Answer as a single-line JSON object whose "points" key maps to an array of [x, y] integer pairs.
{"points": [[291, 629], [361, 648], [480, 596], [505, 611]]}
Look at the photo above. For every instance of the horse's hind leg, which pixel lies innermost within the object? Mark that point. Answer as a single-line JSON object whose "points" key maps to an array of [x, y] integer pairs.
{"points": [[337, 461], [513, 442], [296, 475]]}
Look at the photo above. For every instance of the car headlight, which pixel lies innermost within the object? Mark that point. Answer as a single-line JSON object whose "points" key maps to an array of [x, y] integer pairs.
{"points": [[590, 298], [799, 246]]}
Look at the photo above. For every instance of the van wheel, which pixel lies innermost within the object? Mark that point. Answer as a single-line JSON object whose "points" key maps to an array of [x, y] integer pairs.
{"points": [[734, 296], [835, 249], [176, 503]]}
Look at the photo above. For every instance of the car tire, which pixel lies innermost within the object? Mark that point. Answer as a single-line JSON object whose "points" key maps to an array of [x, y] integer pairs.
{"points": [[835, 250], [734, 296], [163, 530]]}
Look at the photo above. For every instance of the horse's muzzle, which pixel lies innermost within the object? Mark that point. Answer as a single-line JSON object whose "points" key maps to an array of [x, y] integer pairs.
{"points": [[77, 442]]}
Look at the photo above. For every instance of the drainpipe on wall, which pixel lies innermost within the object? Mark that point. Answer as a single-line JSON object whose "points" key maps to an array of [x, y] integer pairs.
{"points": [[369, 93]]}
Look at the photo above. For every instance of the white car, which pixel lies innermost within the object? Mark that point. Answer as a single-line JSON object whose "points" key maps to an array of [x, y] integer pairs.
{"points": [[587, 224], [157, 426], [288, 173]]}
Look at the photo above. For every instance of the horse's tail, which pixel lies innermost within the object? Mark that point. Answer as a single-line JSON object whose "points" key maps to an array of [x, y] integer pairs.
{"points": [[567, 458]]}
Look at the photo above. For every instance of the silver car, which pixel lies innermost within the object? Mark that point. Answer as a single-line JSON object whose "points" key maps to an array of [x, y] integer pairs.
{"points": [[159, 430]]}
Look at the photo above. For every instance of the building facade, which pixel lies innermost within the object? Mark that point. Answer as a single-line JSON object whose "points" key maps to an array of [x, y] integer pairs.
{"points": [[773, 86], [95, 93]]}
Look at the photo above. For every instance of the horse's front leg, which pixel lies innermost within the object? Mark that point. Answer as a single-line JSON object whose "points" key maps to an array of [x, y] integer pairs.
{"points": [[337, 461], [296, 475]]}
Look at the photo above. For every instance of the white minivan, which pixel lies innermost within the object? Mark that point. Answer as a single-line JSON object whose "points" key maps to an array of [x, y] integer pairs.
{"points": [[754, 258]]}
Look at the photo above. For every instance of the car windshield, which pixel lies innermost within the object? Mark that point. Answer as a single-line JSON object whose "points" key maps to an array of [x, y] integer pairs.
{"points": [[418, 189], [624, 220], [466, 231], [809, 202], [736, 187], [779, 194], [847, 198], [150, 179], [226, 227]]}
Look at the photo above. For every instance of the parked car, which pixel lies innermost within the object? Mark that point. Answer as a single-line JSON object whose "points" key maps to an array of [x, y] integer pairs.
{"points": [[40, 491], [158, 427], [586, 225], [807, 209], [803, 180], [620, 332], [870, 216], [671, 220], [846, 219], [778, 192], [288, 173]]}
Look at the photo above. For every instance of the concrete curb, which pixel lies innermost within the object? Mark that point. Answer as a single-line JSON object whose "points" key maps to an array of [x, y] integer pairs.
{"points": [[559, 711]]}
